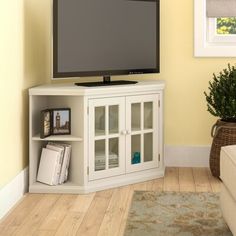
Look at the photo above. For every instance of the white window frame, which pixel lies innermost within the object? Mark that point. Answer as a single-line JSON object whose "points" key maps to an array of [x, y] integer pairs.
{"points": [[206, 42]]}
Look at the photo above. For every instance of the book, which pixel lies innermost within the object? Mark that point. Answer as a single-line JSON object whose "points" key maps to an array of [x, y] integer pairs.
{"points": [[61, 150], [48, 166], [65, 163]]}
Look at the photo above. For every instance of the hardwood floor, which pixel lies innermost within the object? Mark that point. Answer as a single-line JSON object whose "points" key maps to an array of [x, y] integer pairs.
{"points": [[103, 213]]}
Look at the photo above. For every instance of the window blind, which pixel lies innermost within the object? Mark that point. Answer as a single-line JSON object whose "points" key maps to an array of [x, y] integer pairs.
{"points": [[221, 8]]}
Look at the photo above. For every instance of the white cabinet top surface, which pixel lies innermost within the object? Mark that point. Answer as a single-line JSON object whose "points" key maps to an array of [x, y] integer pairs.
{"points": [[71, 89]]}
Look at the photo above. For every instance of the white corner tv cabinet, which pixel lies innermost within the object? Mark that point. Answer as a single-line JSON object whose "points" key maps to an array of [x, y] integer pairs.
{"points": [[116, 134]]}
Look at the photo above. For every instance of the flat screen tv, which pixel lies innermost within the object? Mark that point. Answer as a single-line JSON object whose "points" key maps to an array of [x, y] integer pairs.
{"points": [[105, 38]]}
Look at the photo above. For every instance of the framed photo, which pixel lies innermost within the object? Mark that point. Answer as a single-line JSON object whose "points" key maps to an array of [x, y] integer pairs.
{"points": [[61, 121], [45, 130]]}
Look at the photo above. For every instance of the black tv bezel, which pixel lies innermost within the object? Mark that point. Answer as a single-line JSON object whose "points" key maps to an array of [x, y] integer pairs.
{"points": [[57, 74]]}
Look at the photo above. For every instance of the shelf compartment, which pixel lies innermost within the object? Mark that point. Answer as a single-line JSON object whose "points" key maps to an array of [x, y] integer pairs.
{"points": [[71, 138]]}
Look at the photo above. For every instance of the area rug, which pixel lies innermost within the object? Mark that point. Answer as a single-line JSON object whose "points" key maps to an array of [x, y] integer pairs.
{"points": [[175, 214]]}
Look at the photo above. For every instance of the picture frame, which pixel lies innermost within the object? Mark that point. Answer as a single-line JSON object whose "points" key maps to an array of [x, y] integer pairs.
{"points": [[61, 121], [45, 123], [55, 121]]}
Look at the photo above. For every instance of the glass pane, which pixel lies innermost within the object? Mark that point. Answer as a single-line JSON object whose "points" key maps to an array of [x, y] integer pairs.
{"points": [[100, 156], [99, 121], [226, 25], [148, 147], [148, 109], [113, 119], [135, 149], [113, 153], [136, 116]]}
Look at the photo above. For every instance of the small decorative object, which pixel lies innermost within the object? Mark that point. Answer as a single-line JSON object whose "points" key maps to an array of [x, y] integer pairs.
{"points": [[61, 121], [55, 122], [221, 102], [136, 158], [45, 124]]}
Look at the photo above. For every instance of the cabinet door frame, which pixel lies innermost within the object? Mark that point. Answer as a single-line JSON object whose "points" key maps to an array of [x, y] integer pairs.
{"points": [[155, 98], [106, 102]]}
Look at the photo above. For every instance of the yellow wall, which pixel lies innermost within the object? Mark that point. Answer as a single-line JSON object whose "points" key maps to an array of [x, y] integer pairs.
{"points": [[25, 62], [186, 120]]}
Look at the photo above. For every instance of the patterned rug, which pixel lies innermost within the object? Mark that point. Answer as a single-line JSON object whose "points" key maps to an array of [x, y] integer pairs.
{"points": [[175, 214]]}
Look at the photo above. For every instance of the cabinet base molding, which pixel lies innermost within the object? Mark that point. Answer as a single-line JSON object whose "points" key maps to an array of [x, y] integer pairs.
{"points": [[98, 185], [136, 177]]}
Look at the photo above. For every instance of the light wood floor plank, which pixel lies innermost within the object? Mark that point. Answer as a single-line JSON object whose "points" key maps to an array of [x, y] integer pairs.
{"points": [[70, 224], [115, 212], [158, 184], [214, 182], [171, 179], [58, 212], [201, 180], [8, 231], [149, 185], [82, 203], [21, 210], [186, 180], [75, 216], [139, 186], [33, 221], [96, 212], [125, 216], [44, 233]]}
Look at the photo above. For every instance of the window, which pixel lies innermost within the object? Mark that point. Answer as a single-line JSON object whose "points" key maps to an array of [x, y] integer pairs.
{"points": [[214, 37], [226, 25], [222, 30]]}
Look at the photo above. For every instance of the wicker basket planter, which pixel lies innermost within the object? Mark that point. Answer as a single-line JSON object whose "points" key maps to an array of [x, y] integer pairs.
{"points": [[223, 133]]}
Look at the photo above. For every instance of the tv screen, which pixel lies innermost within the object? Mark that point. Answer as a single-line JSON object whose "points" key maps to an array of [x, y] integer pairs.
{"points": [[105, 37]]}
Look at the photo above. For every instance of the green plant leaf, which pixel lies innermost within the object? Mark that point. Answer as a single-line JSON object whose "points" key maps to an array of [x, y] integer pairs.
{"points": [[221, 99]]}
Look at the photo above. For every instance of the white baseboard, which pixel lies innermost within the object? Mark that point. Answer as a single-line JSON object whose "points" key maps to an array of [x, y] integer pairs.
{"points": [[187, 156], [13, 192]]}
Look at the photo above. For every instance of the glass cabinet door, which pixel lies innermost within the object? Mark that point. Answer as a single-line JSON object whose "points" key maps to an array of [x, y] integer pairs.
{"points": [[142, 124], [99, 120], [107, 141]]}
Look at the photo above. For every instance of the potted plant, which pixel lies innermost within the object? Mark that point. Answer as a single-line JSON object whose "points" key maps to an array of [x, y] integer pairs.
{"points": [[221, 102]]}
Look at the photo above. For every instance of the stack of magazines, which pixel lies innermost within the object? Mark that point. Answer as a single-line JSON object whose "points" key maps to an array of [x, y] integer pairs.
{"points": [[100, 161], [54, 163]]}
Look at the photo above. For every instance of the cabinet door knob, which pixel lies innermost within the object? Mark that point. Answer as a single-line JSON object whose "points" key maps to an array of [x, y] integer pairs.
{"points": [[123, 132], [128, 132]]}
